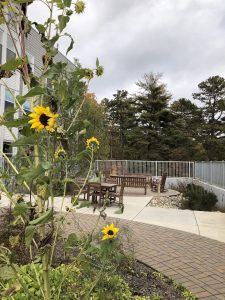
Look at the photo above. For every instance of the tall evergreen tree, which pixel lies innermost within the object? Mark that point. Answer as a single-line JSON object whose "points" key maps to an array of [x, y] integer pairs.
{"points": [[120, 121], [212, 95], [187, 142], [154, 118]]}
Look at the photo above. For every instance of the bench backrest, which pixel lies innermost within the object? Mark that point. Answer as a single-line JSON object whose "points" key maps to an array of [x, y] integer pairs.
{"points": [[135, 181]]}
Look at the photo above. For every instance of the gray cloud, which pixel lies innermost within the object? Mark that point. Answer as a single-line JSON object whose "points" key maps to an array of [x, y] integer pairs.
{"points": [[182, 39]]}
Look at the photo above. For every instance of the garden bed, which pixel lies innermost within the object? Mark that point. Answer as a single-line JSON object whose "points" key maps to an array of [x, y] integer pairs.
{"points": [[143, 281]]}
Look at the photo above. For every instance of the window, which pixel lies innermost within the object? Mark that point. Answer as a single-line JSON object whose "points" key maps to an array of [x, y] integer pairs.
{"points": [[26, 106], [9, 102], [10, 51], [7, 148], [10, 54]]}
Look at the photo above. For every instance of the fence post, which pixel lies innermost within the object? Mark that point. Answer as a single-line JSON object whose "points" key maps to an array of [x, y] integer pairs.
{"points": [[223, 185], [156, 168], [202, 173], [189, 169], [210, 166]]}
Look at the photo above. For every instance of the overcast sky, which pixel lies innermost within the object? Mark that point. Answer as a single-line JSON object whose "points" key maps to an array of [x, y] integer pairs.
{"points": [[183, 39]]}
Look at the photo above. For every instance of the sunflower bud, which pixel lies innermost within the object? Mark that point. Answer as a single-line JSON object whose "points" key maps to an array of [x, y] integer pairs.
{"points": [[99, 71], [53, 105], [89, 74], [60, 152], [79, 7]]}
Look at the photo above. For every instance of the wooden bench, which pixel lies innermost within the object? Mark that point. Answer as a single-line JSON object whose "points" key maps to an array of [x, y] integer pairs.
{"points": [[135, 181]]}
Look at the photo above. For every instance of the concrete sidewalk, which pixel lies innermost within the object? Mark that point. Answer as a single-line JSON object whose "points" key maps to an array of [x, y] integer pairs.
{"points": [[207, 224]]}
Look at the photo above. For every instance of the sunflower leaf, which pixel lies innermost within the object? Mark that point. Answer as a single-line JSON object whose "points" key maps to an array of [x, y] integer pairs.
{"points": [[37, 90], [30, 174], [44, 218], [14, 123], [63, 20], [29, 233], [12, 64], [27, 140]]}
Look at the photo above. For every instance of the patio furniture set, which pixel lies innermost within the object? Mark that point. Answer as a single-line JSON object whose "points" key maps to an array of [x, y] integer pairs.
{"points": [[107, 190]]}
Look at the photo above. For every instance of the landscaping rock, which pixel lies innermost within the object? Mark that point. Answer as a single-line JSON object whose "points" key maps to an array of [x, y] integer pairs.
{"points": [[166, 201]]}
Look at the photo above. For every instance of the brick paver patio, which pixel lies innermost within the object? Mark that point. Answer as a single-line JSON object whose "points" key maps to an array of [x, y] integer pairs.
{"points": [[195, 261]]}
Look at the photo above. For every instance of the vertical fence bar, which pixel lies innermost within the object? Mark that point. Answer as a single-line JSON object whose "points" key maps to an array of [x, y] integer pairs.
{"points": [[210, 169], [156, 168]]}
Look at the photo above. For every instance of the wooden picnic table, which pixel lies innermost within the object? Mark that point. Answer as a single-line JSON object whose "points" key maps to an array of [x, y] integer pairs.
{"points": [[104, 188]]}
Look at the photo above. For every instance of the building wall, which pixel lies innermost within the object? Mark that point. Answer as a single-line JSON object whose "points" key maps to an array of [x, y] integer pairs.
{"points": [[15, 83]]}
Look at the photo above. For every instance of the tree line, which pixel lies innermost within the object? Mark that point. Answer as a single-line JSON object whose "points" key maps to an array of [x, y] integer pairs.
{"points": [[148, 125]]}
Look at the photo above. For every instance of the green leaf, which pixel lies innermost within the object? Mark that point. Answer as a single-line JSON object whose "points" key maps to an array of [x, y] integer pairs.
{"points": [[46, 165], [20, 209], [86, 123], [21, 99], [71, 241], [31, 173], [71, 43], [14, 240], [67, 3], [35, 91], [50, 43], [40, 28], [29, 234], [54, 70], [83, 204], [23, 1], [63, 20], [12, 64], [7, 273], [97, 62], [27, 140], [44, 218], [14, 123], [59, 3]]}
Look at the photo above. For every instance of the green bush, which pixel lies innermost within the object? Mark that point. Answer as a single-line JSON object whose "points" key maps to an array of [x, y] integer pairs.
{"points": [[196, 198]]}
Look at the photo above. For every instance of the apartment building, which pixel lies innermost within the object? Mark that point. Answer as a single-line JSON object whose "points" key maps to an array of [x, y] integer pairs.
{"points": [[14, 85]]}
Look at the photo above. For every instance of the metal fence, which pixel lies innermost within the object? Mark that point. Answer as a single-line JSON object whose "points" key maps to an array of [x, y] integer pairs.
{"points": [[211, 172], [154, 168]]}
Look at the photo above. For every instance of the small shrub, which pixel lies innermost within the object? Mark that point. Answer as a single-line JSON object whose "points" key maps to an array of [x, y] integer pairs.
{"points": [[196, 198], [180, 186]]}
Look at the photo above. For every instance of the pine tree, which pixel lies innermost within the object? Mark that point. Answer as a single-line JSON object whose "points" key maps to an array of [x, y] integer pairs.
{"points": [[212, 95]]}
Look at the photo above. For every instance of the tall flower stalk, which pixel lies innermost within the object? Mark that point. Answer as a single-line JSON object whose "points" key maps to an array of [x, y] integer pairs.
{"points": [[47, 128]]}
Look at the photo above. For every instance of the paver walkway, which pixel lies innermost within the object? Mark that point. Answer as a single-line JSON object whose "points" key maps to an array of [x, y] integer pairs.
{"points": [[195, 261]]}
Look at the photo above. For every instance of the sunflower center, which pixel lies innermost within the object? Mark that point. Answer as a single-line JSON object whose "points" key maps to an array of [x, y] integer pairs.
{"points": [[110, 232], [44, 119]]}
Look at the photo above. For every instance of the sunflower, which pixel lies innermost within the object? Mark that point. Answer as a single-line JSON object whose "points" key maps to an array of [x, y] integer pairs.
{"points": [[42, 118], [60, 152], [92, 142], [109, 231]]}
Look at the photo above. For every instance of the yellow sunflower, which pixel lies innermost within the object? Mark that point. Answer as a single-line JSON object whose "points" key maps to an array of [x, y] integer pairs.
{"points": [[42, 118], [60, 152], [92, 142], [109, 232]]}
